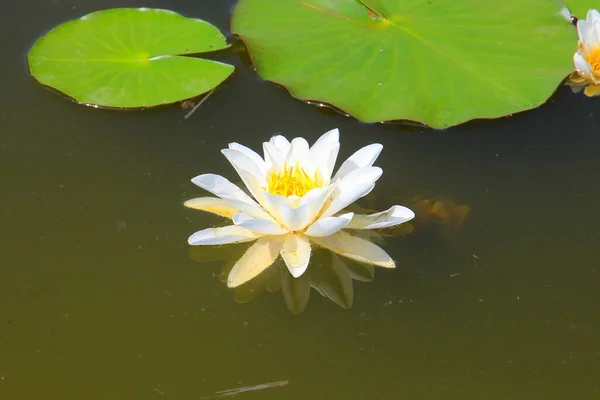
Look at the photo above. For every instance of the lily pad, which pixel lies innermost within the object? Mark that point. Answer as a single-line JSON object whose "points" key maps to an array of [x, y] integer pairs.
{"points": [[579, 8], [439, 62], [128, 57]]}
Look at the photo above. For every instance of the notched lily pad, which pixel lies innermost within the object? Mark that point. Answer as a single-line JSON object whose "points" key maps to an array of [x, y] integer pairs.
{"points": [[439, 62], [129, 57]]}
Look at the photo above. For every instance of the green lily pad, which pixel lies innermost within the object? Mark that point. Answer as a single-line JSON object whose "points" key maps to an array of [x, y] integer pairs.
{"points": [[579, 8], [127, 57], [439, 62]]}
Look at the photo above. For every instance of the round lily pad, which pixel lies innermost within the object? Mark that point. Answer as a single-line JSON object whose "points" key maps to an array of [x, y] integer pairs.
{"points": [[439, 62], [129, 57]]}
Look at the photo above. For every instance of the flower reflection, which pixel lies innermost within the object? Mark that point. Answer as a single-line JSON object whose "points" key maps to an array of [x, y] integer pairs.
{"points": [[328, 274]]}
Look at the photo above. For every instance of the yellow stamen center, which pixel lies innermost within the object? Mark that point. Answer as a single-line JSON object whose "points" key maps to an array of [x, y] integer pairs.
{"points": [[292, 181], [593, 58]]}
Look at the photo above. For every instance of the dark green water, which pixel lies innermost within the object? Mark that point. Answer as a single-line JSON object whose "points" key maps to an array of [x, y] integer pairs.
{"points": [[99, 298]]}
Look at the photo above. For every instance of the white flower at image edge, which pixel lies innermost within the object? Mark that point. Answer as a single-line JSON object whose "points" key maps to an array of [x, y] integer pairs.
{"points": [[587, 57], [295, 201]]}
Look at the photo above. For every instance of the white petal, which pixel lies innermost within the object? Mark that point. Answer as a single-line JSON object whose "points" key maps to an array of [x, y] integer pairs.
{"points": [[296, 254], [274, 157], [226, 190], [316, 199], [332, 136], [258, 160], [273, 202], [225, 235], [355, 248], [298, 152], [596, 35], [281, 143], [250, 173], [352, 187], [584, 31], [348, 196], [242, 162], [364, 157], [361, 175], [255, 260], [260, 226], [324, 153], [593, 16], [582, 66], [295, 219], [213, 205], [394, 216], [329, 225], [256, 189]]}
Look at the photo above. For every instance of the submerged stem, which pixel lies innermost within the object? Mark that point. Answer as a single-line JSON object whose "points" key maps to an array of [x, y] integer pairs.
{"points": [[199, 104]]}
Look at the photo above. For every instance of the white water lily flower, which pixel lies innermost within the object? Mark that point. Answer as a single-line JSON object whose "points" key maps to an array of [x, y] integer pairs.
{"points": [[587, 57], [295, 201]]}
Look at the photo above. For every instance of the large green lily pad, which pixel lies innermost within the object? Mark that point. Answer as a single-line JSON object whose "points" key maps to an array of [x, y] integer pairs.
{"points": [[439, 62], [579, 8], [129, 57]]}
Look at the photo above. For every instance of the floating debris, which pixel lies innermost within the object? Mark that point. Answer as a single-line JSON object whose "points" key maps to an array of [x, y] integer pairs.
{"points": [[233, 392]]}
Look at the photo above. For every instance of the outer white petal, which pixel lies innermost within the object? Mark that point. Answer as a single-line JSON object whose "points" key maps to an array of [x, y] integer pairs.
{"points": [[352, 187], [255, 260], [227, 191], [596, 29], [298, 152], [355, 248], [225, 235], [258, 160], [329, 137], [394, 216], [584, 31], [256, 189], [582, 65], [348, 196], [213, 205], [295, 219], [329, 225], [361, 175], [364, 157], [593, 16], [243, 163], [250, 174], [323, 153], [296, 254], [594, 38], [257, 225]]}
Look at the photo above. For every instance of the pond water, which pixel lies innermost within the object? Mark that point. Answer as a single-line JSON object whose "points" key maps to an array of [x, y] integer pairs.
{"points": [[100, 299]]}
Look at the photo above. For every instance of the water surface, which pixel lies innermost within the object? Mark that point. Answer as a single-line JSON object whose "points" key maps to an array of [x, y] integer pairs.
{"points": [[100, 300]]}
